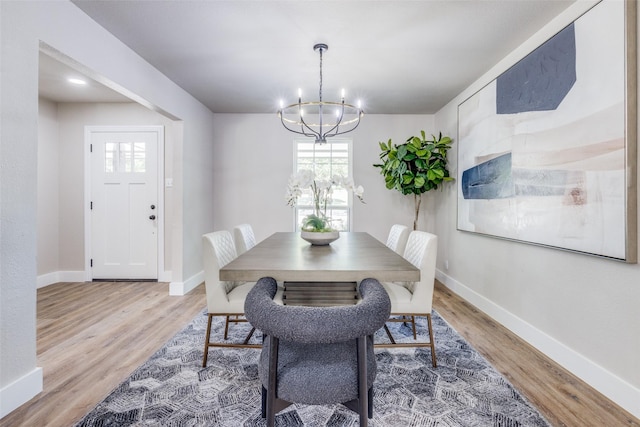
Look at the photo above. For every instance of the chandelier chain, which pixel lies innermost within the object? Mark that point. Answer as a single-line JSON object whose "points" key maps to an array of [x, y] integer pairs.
{"points": [[321, 49]]}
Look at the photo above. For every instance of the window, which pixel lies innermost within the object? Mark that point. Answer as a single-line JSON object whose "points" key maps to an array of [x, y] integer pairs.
{"points": [[124, 157], [325, 161]]}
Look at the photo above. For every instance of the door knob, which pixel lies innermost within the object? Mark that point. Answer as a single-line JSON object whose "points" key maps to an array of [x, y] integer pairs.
{"points": [[153, 207], [152, 217]]}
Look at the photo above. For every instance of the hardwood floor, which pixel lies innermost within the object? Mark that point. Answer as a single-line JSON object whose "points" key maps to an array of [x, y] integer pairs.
{"points": [[561, 397], [91, 336]]}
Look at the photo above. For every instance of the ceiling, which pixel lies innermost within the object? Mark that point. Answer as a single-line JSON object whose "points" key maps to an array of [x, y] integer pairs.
{"points": [[54, 85], [396, 57]]}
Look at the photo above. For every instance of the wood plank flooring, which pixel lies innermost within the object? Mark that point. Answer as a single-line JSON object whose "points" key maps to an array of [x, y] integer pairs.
{"points": [[91, 336], [561, 397]]}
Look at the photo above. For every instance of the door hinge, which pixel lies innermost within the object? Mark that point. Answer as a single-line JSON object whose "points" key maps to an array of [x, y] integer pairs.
{"points": [[91, 262], [91, 148], [91, 205]]}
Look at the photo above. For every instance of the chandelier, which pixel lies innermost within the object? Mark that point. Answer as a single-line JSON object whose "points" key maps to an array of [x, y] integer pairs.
{"points": [[320, 119]]}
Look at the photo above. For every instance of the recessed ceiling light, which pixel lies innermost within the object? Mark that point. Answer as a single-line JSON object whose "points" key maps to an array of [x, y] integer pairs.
{"points": [[76, 81]]}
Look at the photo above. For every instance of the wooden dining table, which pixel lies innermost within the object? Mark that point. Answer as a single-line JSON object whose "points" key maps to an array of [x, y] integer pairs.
{"points": [[353, 257], [322, 270]]}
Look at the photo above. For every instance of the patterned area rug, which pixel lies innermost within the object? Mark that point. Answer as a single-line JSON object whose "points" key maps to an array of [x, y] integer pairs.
{"points": [[172, 388]]}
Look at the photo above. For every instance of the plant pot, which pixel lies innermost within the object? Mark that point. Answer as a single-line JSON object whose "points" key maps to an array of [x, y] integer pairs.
{"points": [[320, 238]]}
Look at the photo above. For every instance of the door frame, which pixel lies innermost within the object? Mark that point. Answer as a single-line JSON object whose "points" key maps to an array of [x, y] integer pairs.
{"points": [[88, 130]]}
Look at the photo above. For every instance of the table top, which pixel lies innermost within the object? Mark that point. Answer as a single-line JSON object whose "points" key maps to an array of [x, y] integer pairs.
{"points": [[353, 257]]}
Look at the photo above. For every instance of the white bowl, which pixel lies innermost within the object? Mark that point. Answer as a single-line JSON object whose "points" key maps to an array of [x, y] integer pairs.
{"points": [[320, 238]]}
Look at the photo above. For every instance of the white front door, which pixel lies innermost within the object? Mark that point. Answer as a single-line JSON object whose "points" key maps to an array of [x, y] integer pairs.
{"points": [[124, 208]]}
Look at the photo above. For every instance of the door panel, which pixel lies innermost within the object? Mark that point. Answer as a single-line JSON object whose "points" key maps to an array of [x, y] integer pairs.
{"points": [[124, 187]]}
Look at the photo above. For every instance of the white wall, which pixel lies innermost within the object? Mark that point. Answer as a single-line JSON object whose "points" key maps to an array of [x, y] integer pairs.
{"points": [[48, 189], [253, 169], [65, 28], [581, 311]]}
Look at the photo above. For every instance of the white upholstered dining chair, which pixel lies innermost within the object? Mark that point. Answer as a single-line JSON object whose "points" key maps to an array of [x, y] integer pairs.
{"points": [[397, 239], [223, 298], [244, 238], [411, 299]]}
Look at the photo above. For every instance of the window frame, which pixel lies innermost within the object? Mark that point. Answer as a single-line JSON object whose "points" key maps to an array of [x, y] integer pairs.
{"points": [[349, 151]]}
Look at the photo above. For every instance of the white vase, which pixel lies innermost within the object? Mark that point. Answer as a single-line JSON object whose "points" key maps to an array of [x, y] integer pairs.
{"points": [[320, 238]]}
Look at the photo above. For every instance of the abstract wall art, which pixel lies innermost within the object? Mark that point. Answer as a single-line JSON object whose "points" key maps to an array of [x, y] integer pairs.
{"points": [[547, 150]]}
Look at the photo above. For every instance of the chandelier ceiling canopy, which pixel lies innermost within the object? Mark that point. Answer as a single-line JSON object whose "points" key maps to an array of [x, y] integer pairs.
{"points": [[320, 119]]}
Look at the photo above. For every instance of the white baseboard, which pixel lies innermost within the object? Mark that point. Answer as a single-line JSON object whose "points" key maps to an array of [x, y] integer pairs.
{"points": [[79, 276], [619, 391], [20, 391], [182, 288], [59, 276]]}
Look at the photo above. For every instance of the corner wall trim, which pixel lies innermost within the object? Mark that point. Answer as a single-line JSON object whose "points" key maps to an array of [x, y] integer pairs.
{"points": [[20, 391], [619, 391]]}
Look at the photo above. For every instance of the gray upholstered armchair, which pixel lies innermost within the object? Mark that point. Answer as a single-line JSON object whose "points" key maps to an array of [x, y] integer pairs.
{"points": [[317, 355]]}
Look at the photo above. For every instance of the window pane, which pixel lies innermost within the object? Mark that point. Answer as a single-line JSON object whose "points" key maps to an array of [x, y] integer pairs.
{"points": [[125, 157], [340, 197], [110, 156], [139, 157], [306, 198], [339, 219], [339, 169]]}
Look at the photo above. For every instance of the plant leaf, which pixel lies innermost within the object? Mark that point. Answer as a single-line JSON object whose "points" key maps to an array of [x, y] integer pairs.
{"points": [[402, 151]]}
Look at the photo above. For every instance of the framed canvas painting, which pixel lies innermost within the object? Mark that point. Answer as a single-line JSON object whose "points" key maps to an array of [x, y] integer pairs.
{"points": [[547, 150]]}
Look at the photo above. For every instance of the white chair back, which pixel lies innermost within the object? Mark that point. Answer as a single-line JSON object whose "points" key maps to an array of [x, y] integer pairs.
{"points": [[397, 239], [421, 251], [244, 238], [218, 249]]}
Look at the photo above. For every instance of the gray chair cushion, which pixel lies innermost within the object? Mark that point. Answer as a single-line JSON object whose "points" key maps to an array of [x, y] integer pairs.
{"points": [[317, 374]]}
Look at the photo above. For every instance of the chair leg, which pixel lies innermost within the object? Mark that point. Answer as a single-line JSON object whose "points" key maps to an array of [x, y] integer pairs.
{"points": [[363, 392], [229, 319], [386, 328], [433, 343], [264, 402], [370, 398], [410, 318], [246, 340], [206, 343], [226, 327], [273, 373], [413, 323]]}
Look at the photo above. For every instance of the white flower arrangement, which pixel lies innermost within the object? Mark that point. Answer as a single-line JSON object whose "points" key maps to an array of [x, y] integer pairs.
{"points": [[322, 191]]}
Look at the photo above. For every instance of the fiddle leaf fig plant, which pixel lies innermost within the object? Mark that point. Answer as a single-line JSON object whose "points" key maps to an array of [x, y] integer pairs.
{"points": [[417, 166]]}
